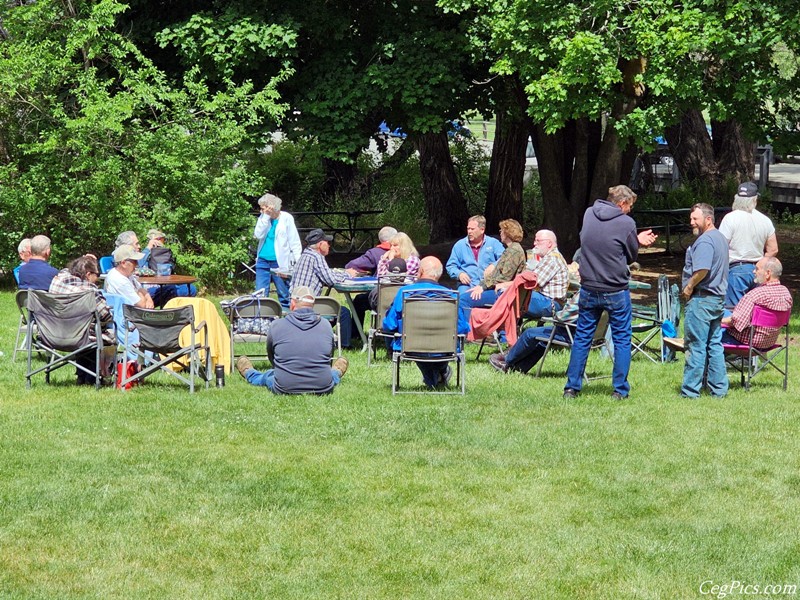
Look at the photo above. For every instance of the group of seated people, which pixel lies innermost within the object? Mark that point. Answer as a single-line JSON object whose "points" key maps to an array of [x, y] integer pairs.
{"points": [[83, 273]]}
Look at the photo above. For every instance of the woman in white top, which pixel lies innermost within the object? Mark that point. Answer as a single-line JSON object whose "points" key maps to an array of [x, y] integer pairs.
{"points": [[278, 246]]}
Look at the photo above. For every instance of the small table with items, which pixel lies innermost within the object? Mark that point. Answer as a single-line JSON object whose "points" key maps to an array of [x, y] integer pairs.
{"points": [[167, 279], [355, 285]]}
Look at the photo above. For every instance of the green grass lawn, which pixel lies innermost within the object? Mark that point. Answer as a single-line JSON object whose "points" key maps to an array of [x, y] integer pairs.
{"points": [[509, 492]]}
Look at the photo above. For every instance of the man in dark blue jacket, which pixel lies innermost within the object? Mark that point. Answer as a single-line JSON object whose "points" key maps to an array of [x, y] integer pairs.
{"points": [[609, 243], [300, 347]]}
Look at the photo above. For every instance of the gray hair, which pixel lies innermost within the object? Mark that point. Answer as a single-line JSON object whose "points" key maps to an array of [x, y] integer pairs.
{"points": [[745, 203], [480, 220], [24, 246], [774, 265], [705, 208], [621, 193], [126, 237], [386, 234], [431, 266], [39, 245], [270, 200]]}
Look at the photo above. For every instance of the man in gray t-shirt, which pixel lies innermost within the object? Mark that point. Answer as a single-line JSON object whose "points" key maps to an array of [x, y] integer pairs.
{"points": [[704, 284]]}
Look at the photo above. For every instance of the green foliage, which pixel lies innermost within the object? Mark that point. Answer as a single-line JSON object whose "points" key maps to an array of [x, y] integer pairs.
{"points": [[98, 141]]}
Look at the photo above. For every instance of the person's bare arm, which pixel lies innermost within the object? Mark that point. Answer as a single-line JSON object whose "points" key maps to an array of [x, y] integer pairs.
{"points": [[771, 246]]}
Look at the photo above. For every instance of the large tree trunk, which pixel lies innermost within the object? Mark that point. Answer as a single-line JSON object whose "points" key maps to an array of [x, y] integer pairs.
{"points": [[447, 208], [340, 179], [506, 170], [734, 153], [691, 148]]}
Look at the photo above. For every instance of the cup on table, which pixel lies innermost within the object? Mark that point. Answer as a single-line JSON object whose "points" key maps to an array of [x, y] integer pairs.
{"points": [[164, 269]]}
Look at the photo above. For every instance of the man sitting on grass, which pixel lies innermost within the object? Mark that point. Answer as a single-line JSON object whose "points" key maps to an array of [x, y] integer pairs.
{"points": [[300, 348], [434, 374]]}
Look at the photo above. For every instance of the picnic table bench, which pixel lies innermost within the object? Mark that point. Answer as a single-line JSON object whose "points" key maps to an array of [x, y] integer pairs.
{"points": [[348, 236]]}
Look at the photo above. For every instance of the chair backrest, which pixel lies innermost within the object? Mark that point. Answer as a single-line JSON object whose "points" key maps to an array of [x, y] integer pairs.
{"points": [[327, 307], [387, 292], [255, 307], [771, 319], [599, 338], [159, 330], [63, 320], [22, 305], [106, 263], [430, 322]]}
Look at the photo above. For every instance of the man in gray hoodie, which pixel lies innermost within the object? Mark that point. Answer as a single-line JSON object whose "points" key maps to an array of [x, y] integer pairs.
{"points": [[300, 348], [609, 243]]}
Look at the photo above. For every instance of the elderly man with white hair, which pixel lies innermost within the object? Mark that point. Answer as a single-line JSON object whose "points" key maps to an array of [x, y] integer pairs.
{"points": [[278, 246], [750, 235], [24, 251], [36, 274], [552, 276]]}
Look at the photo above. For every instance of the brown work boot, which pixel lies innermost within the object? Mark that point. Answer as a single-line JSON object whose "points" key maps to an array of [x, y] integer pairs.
{"points": [[243, 365], [340, 364]]}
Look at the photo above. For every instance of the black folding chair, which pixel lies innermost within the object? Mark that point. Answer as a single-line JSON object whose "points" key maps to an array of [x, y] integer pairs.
{"points": [[60, 326], [160, 346]]}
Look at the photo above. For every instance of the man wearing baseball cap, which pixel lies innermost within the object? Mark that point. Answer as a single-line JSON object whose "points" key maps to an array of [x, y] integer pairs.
{"points": [[121, 281], [300, 347], [312, 271], [751, 236]]}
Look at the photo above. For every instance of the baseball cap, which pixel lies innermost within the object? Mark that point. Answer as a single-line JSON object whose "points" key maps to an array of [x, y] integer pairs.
{"points": [[303, 293], [155, 234], [126, 252], [747, 189], [317, 235], [396, 265]]}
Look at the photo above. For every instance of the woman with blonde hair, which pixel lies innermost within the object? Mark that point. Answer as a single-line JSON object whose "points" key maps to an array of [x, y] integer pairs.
{"points": [[401, 246], [510, 264]]}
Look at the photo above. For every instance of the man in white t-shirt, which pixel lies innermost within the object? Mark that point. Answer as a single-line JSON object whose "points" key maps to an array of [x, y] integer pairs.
{"points": [[121, 281], [751, 236]]}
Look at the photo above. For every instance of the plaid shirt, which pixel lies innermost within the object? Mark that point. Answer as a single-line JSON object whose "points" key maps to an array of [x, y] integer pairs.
{"points": [[552, 275], [312, 271], [773, 296]]}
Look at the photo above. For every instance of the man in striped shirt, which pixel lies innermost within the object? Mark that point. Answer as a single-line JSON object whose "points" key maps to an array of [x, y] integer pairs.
{"points": [[770, 294]]}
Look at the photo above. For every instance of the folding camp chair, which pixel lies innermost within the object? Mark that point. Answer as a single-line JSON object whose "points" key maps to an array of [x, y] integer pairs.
{"points": [[649, 324], [329, 308], [59, 325], [21, 342], [250, 318], [742, 356], [159, 344], [598, 341], [430, 334], [387, 291]]}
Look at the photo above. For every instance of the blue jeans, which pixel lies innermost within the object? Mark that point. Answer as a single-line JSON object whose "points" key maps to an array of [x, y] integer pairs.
{"points": [[432, 372], [524, 355], [466, 302], [741, 280], [591, 306], [264, 276], [267, 378], [541, 306], [702, 329]]}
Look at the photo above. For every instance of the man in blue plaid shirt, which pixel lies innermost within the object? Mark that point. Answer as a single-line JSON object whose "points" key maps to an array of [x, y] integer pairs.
{"points": [[313, 272]]}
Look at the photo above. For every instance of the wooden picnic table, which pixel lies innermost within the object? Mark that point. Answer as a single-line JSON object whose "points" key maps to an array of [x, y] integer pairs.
{"points": [[676, 219]]}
